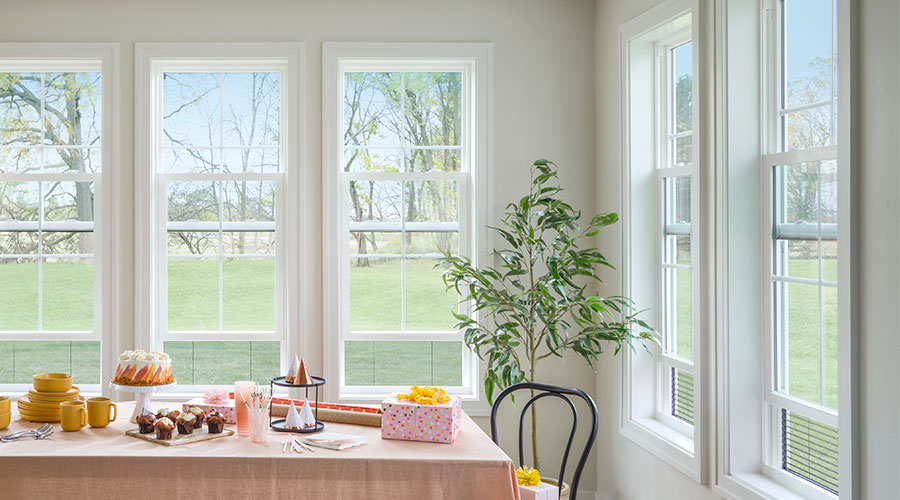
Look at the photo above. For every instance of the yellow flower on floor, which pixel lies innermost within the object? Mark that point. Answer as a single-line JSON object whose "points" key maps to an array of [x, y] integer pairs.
{"points": [[528, 476]]}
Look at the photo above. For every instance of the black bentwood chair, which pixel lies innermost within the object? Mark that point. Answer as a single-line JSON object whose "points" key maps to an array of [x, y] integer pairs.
{"points": [[542, 391]]}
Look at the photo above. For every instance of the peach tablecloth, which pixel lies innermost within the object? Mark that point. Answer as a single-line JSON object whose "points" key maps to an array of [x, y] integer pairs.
{"points": [[105, 463]]}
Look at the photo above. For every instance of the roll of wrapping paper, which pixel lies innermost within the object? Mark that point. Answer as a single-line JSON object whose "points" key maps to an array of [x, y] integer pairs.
{"points": [[329, 412]]}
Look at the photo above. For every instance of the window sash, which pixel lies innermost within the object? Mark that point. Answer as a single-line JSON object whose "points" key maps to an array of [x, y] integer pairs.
{"points": [[462, 226], [163, 226]]}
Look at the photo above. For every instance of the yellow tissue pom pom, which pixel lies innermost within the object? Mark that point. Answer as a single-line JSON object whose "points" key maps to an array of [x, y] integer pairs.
{"points": [[527, 476], [425, 395]]}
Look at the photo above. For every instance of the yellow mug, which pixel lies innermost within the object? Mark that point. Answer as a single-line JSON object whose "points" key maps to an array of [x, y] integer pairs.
{"points": [[4, 404], [73, 415], [98, 412], [4, 420]]}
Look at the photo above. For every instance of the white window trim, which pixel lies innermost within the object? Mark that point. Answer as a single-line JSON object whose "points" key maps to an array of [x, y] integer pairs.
{"points": [[475, 56], [674, 442], [740, 469], [106, 214], [293, 319]]}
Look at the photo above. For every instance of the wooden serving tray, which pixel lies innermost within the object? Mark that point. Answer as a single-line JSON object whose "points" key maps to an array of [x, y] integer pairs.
{"points": [[178, 439]]}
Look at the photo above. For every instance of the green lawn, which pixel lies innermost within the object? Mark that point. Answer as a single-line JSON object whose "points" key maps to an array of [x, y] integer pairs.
{"points": [[375, 301]]}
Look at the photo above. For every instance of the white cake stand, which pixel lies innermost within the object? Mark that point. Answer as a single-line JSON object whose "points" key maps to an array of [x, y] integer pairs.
{"points": [[142, 392]]}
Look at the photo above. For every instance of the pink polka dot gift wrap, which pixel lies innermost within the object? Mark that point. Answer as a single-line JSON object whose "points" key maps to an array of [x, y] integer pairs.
{"points": [[405, 420]]}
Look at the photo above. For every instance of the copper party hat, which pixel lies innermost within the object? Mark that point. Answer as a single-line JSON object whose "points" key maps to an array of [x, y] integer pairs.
{"points": [[302, 377]]}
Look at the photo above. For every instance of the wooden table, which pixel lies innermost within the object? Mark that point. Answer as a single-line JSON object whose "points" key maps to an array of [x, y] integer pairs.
{"points": [[105, 463]]}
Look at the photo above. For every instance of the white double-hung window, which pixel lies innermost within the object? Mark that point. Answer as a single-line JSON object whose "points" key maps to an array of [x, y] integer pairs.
{"points": [[404, 131], [56, 159], [675, 172], [800, 196], [663, 240], [217, 172]]}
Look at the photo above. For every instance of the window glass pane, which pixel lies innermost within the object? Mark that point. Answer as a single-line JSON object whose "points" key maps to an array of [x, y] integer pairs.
{"points": [[429, 305], [372, 109], [21, 360], [809, 128], [363, 243], [248, 242], [263, 160], [20, 110], [829, 261], [433, 108], [194, 201], [72, 109], [679, 322], [678, 250], [214, 362], [830, 338], [431, 207], [434, 160], [402, 363], [20, 160], [193, 293], [19, 201], [375, 303], [373, 160], [81, 160], [375, 205], [801, 352], [248, 294], [678, 200], [19, 294], [828, 196], [69, 216], [196, 160], [682, 60], [810, 450], [683, 153], [193, 243], [801, 185], [251, 201], [808, 51], [68, 294], [800, 259], [682, 391], [191, 114], [252, 107]]}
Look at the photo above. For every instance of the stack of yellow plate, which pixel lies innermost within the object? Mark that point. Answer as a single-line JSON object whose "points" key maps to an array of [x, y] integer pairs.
{"points": [[41, 404]]}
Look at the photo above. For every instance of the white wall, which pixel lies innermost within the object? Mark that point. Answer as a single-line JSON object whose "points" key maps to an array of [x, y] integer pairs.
{"points": [[543, 88], [625, 471]]}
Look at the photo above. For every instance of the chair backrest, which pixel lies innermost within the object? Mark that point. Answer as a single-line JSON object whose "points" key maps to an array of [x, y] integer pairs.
{"points": [[542, 391]]}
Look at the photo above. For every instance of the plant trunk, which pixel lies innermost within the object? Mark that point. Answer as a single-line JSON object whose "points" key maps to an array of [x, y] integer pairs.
{"points": [[534, 435], [534, 424]]}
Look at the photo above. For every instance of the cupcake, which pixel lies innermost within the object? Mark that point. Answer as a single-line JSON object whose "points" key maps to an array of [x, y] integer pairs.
{"points": [[164, 428], [145, 422], [162, 412], [198, 416], [185, 422], [215, 422]]}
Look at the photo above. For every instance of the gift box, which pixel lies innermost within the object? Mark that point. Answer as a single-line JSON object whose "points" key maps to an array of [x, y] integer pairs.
{"points": [[225, 408], [542, 491], [405, 420]]}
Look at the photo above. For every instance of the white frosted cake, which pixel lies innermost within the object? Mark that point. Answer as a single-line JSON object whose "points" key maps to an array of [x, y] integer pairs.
{"points": [[144, 368]]}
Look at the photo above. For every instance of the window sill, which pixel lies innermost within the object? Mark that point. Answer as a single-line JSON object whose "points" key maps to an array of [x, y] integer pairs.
{"points": [[759, 486], [663, 442]]}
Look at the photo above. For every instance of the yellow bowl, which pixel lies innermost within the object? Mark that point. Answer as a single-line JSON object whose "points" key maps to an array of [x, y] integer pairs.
{"points": [[52, 382], [4, 420]]}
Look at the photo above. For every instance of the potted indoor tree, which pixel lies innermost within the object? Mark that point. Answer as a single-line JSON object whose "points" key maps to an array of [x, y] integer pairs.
{"points": [[540, 301]]}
